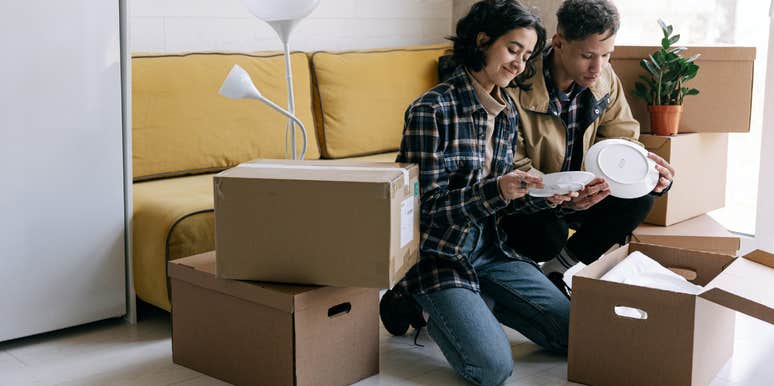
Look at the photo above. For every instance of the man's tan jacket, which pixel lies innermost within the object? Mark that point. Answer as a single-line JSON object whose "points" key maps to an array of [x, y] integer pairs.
{"points": [[542, 136]]}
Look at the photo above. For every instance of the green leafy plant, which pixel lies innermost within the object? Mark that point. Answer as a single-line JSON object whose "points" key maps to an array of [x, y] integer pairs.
{"points": [[667, 71]]}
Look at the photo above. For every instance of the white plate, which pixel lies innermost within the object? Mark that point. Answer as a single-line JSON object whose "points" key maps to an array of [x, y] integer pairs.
{"points": [[624, 165], [562, 183]]}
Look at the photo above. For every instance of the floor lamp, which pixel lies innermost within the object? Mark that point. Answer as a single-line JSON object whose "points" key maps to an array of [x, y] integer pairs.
{"points": [[238, 85], [283, 16]]}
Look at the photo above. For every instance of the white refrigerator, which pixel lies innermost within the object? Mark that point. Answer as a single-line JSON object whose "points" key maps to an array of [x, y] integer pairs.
{"points": [[62, 180]]}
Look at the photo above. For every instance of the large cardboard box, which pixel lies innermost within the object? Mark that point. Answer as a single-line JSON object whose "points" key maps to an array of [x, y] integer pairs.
{"points": [[344, 224], [250, 333], [700, 161], [683, 339], [700, 233], [725, 82]]}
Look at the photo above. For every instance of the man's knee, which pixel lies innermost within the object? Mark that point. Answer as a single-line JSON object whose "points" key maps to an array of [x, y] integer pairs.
{"points": [[643, 205], [635, 208], [538, 237]]}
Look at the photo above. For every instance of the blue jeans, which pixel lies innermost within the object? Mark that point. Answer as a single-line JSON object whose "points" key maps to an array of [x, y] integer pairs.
{"points": [[470, 335]]}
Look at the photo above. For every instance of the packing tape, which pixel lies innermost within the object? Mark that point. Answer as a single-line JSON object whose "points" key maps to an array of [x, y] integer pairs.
{"points": [[404, 171]]}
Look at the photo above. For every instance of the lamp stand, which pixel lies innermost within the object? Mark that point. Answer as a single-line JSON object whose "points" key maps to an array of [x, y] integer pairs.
{"points": [[284, 29]]}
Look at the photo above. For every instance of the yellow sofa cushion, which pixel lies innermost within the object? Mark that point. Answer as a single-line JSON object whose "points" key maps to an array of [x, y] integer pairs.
{"points": [[181, 125], [361, 96], [381, 157], [173, 218]]}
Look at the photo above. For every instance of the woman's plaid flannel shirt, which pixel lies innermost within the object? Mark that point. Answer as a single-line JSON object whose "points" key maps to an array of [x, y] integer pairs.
{"points": [[444, 133]]}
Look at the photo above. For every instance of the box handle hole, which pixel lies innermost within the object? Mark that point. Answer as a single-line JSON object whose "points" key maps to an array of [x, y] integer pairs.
{"points": [[630, 312], [339, 310], [687, 273]]}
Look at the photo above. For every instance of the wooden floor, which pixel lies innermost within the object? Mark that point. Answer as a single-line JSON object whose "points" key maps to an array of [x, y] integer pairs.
{"points": [[115, 353]]}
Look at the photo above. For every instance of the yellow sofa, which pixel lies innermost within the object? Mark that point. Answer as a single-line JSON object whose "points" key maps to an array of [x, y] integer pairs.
{"points": [[352, 104]]}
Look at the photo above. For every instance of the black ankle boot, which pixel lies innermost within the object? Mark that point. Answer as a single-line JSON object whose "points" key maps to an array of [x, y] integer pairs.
{"points": [[398, 311]]}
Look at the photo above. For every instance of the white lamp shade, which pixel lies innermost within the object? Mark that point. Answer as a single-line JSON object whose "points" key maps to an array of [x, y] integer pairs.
{"points": [[238, 85], [273, 10]]}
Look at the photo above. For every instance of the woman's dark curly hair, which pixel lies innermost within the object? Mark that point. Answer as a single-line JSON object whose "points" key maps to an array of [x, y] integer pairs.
{"points": [[495, 18]]}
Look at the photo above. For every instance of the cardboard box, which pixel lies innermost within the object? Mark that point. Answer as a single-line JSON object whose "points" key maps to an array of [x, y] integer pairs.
{"points": [[684, 339], [700, 233], [700, 162], [343, 224], [249, 333], [725, 83]]}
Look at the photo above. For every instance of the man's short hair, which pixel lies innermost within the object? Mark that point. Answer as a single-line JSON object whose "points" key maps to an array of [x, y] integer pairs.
{"points": [[579, 19]]}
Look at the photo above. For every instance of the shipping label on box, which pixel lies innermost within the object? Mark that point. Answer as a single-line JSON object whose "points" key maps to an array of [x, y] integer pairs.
{"points": [[678, 338], [337, 223]]}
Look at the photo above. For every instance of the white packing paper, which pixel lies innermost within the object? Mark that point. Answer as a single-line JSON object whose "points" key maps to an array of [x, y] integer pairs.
{"points": [[640, 270]]}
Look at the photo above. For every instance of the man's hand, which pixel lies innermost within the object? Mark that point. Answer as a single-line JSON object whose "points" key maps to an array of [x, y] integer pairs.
{"points": [[665, 170], [561, 198], [594, 192], [516, 184]]}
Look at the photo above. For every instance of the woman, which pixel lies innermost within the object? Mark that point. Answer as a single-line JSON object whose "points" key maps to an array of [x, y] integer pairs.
{"points": [[462, 133]]}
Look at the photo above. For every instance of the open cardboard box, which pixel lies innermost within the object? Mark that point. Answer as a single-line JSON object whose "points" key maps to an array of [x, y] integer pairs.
{"points": [[701, 233], [335, 223], [249, 333], [683, 339]]}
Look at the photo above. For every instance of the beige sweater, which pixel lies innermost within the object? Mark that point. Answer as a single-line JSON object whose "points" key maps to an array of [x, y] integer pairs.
{"points": [[493, 104]]}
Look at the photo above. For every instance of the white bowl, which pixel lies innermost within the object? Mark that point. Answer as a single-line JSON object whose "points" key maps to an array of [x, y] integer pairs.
{"points": [[562, 183]]}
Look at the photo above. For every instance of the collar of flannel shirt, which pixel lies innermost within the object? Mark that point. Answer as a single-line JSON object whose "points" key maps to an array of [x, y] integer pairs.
{"points": [[467, 93]]}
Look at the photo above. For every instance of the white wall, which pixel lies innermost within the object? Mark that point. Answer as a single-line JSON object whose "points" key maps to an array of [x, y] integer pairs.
{"points": [[227, 25], [546, 9], [765, 223]]}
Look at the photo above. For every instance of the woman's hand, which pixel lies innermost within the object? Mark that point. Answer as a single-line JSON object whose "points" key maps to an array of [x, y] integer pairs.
{"points": [[516, 184]]}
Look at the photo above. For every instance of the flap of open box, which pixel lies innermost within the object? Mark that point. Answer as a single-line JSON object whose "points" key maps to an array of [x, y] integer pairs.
{"points": [[746, 286]]}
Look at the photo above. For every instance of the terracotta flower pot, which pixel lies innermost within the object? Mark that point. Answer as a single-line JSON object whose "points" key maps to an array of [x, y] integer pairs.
{"points": [[665, 119]]}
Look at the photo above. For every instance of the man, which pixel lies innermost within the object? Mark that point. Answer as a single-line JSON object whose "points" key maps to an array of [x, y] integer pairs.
{"points": [[576, 100]]}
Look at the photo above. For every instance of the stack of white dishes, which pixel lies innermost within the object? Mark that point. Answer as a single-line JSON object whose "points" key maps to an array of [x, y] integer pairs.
{"points": [[624, 165]]}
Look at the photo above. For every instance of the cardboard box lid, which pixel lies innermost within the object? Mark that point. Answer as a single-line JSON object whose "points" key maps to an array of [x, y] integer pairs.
{"points": [[200, 270], [323, 170], [708, 53], [701, 233], [745, 286]]}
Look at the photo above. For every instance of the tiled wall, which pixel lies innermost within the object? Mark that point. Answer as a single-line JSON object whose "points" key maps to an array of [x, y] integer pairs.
{"points": [[227, 25]]}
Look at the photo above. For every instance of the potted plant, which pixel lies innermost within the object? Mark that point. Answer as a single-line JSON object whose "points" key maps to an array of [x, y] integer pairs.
{"points": [[664, 87]]}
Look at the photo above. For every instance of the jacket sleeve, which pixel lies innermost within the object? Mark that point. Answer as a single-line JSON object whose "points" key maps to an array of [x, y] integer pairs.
{"points": [[617, 121], [424, 143]]}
